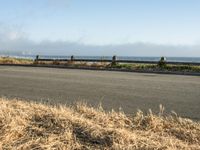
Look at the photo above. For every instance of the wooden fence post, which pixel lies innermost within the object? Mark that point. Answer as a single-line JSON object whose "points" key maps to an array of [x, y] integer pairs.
{"points": [[72, 58], [114, 60], [36, 59]]}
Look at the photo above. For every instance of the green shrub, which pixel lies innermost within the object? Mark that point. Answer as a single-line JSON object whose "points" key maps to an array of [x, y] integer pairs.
{"points": [[162, 62]]}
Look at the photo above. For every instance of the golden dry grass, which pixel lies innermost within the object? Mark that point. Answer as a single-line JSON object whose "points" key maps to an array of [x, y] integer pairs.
{"points": [[29, 125], [10, 60]]}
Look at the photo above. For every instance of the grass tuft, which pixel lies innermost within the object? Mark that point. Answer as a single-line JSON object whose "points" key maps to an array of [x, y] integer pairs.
{"points": [[29, 125]]}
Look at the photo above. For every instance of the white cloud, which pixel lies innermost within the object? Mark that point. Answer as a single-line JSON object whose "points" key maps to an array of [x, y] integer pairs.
{"points": [[8, 33]]}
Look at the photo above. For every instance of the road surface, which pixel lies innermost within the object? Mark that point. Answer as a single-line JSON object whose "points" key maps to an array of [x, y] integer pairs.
{"points": [[130, 91]]}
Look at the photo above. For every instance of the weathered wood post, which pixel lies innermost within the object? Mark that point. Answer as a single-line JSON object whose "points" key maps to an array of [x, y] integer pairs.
{"points": [[72, 58], [36, 59], [114, 60]]}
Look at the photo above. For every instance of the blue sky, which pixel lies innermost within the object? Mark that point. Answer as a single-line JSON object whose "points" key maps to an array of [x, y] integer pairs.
{"points": [[91, 23]]}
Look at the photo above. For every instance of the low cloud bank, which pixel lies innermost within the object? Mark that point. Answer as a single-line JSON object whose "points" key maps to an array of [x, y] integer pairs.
{"points": [[75, 48], [15, 41]]}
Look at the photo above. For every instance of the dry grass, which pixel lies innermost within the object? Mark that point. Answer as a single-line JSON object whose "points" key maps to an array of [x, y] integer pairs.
{"points": [[25, 125], [10, 60]]}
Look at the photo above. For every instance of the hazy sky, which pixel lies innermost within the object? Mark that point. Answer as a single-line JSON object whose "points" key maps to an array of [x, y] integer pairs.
{"points": [[101, 27]]}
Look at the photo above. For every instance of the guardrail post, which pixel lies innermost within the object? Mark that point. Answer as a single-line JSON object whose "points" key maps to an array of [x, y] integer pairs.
{"points": [[72, 58], [114, 60], [36, 59]]}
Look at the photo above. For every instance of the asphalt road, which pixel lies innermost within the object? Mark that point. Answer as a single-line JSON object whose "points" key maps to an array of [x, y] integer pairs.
{"points": [[130, 91]]}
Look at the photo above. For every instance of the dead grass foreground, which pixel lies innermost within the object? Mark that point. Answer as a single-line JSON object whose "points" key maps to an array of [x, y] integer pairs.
{"points": [[29, 125]]}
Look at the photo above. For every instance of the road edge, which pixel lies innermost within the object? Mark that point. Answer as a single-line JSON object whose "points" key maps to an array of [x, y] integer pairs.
{"points": [[104, 69]]}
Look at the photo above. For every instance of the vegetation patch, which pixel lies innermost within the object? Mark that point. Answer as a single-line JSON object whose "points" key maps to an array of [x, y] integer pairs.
{"points": [[11, 60], [158, 67], [29, 125], [161, 66]]}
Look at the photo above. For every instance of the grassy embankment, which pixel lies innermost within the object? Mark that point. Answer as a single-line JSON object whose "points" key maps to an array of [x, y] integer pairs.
{"points": [[10, 60], [143, 67], [29, 125], [155, 67]]}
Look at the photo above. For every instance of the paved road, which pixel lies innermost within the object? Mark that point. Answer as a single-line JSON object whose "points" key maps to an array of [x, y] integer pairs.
{"points": [[130, 91]]}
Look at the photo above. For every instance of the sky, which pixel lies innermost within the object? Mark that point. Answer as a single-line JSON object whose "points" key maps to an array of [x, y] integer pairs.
{"points": [[101, 27]]}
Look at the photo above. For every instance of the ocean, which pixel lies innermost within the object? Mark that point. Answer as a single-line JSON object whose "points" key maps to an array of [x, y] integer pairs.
{"points": [[140, 58]]}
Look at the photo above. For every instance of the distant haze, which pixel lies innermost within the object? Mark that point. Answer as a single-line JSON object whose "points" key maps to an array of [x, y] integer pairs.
{"points": [[101, 27], [72, 48]]}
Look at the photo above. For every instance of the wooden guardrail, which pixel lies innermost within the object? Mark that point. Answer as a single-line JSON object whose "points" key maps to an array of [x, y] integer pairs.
{"points": [[114, 60]]}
